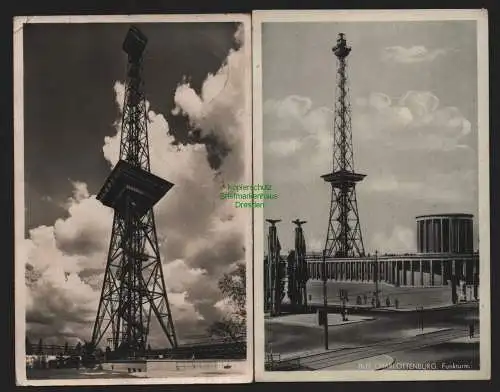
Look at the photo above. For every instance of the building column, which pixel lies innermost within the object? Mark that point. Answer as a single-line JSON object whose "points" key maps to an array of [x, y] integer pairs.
{"points": [[433, 235], [464, 269], [441, 245], [421, 274], [468, 269], [450, 235], [474, 271], [412, 273], [426, 235], [419, 240], [404, 272], [431, 270], [429, 235], [398, 277], [442, 273]]}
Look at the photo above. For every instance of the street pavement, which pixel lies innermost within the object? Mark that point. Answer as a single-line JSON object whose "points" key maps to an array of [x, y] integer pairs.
{"points": [[387, 333], [342, 356]]}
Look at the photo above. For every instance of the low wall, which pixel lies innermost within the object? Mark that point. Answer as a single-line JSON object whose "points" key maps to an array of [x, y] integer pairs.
{"points": [[156, 365], [139, 366], [169, 367]]}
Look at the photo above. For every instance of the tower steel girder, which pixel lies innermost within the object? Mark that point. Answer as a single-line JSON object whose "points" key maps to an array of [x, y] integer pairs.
{"points": [[344, 238], [134, 286]]}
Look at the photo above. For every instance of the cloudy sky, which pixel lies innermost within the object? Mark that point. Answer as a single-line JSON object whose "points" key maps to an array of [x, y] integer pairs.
{"points": [[195, 82], [413, 89]]}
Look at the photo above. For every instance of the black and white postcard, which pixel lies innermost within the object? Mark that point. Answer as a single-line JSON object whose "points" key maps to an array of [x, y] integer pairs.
{"points": [[130, 266], [372, 261], [198, 204]]}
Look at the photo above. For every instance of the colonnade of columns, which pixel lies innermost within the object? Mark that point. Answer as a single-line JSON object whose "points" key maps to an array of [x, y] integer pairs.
{"points": [[400, 272]]}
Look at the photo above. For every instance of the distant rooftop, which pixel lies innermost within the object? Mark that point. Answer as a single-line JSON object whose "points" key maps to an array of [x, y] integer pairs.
{"points": [[450, 215]]}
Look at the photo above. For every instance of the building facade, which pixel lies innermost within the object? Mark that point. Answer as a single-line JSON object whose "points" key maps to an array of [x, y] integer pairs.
{"points": [[445, 254]]}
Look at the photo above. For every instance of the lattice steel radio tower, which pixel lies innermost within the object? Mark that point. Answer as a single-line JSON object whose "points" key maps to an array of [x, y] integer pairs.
{"points": [[344, 232], [134, 286]]}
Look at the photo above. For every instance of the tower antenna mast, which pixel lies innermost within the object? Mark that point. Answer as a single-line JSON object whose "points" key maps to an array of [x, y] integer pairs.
{"points": [[343, 239], [134, 286]]}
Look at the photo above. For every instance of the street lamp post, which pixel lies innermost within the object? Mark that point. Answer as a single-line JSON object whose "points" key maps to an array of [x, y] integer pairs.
{"points": [[420, 317], [375, 276], [325, 302]]}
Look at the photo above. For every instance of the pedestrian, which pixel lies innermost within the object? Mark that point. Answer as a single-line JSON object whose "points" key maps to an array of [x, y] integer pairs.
{"points": [[396, 303], [373, 302], [388, 302], [365, 298], [471, 330]]}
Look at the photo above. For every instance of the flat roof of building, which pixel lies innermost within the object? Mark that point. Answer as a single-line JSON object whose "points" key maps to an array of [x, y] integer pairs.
{"points": [[447, 215]]}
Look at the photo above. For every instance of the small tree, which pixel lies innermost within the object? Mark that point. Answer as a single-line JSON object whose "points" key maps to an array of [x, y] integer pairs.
{"points": [[233, 288], [40, 347], [29, 346]]}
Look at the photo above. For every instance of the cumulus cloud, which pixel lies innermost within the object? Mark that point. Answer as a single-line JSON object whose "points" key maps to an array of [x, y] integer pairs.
{"points": [[411, 121], [399, 240], [416, 152], [220, 108], [200, 236], [411, 55], [295, 132]]}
